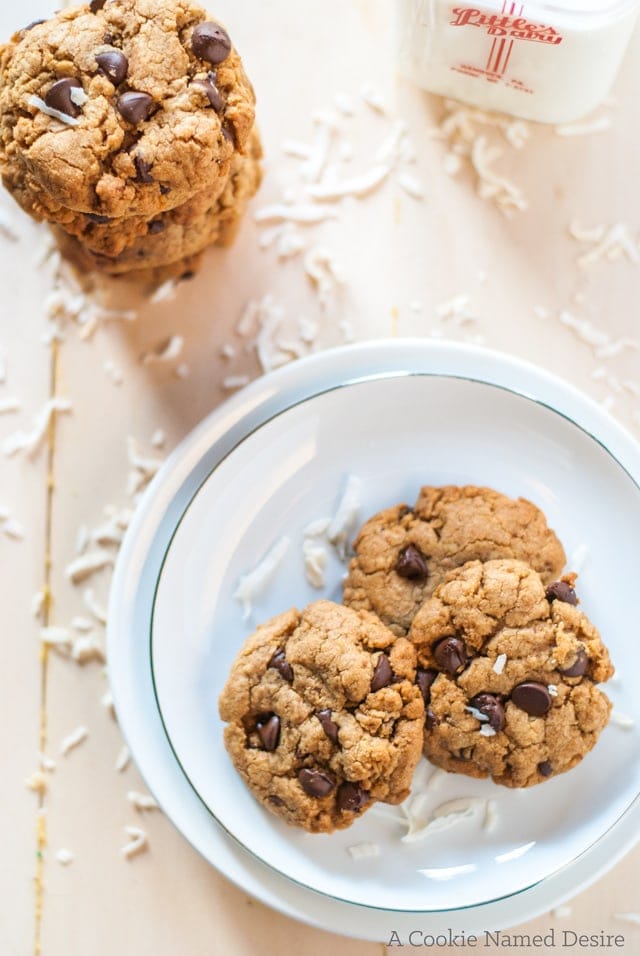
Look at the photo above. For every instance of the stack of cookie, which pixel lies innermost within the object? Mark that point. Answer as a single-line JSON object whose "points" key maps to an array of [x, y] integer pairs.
{"points": [[460, 639], [132, 134]]}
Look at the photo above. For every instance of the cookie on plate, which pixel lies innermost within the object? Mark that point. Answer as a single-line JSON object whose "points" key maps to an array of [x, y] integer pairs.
{"points": [[509, 670], [402, 553], [323, 715]]}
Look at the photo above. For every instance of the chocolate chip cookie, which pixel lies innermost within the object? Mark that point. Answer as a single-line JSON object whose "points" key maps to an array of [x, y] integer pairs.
{"points": [[402, 553], [118, 108], [172, 236], [323, 715], [508, 669]]}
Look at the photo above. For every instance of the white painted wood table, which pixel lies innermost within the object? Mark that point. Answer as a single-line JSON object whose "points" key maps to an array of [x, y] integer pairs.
{"points": [[450, 264]]}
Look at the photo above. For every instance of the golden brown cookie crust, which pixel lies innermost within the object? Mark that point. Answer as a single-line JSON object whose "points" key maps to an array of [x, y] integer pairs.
{"points": [[512, 637], [366, 742], [95, 166], [448, 526], [184, 233]]}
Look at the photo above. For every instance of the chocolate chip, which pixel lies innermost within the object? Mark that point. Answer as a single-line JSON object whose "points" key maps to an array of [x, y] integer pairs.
{"points": [[450, 654], [165, 190], [143, 170], [134, 107], [210, 42], [352, 797], [561, 591], [382, 674], [424, 680], [156, 227], [229, 134], [431, 720], [579, 667], [317, 783], [114, 65], [94, 217], [491, 706], [545, 769], [59, 96], [30, 26], [268, 727], [208, 85], [328, 725], [96, 5], [187, 275], [412, 564], [276, 800], [280, 663], [532, 697]]}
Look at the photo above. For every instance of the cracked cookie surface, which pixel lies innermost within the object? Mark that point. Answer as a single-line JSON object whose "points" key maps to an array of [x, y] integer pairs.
{"points": [[174, 236], [161, 112], [323, 715], [402, 553], [509, 670]]}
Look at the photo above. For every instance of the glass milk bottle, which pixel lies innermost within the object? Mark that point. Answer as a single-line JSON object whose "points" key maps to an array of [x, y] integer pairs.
{"points": [[551, 62]]}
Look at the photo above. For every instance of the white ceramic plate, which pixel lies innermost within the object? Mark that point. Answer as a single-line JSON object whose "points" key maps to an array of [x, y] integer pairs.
{"points": [[395, 432], [136, 577]]}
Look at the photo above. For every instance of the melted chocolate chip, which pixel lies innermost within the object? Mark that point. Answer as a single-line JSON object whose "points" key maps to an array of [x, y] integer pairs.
{"points": [[382, 674], [134, 107], [328, 725], [579, 667], [94, 217], [189, 274], [214, 95], [165, 190], [532, 697], [30, 26], [96, 5], [351, 796], [114, 65], [492, 707], [280, 663], [317, 783], [424, 680], [450, 654], [561, 591], [268, 727], [545, 769], [276, 800], [59, 96], [412, 564], [210, 42], [229, 135], [143, 170], [156, 227]]}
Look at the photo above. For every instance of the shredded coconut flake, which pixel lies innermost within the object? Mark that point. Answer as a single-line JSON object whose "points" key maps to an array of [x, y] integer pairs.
{"points": [[12, 529], [411, 185], [487, 731], [94, 606], [499, 663], [363, 851], [87, 648], [8, 405], [64, 856], [553, 689], [113, 373], [302, 213], [357, 186], [477, 714], [561, 912], [490, 821], [622, 720], [633, 918], [137, 842], [164, 292], [87, 564], [612, 242], [74, 739], [122, 760], [251, 586], [31, 441], [233, 382], [315, 562], [443, 817], [37, 782], [54, 114], [345, 519], [141, 801], [597, 125], [78, 96], [166, 351], [58, 637]]}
